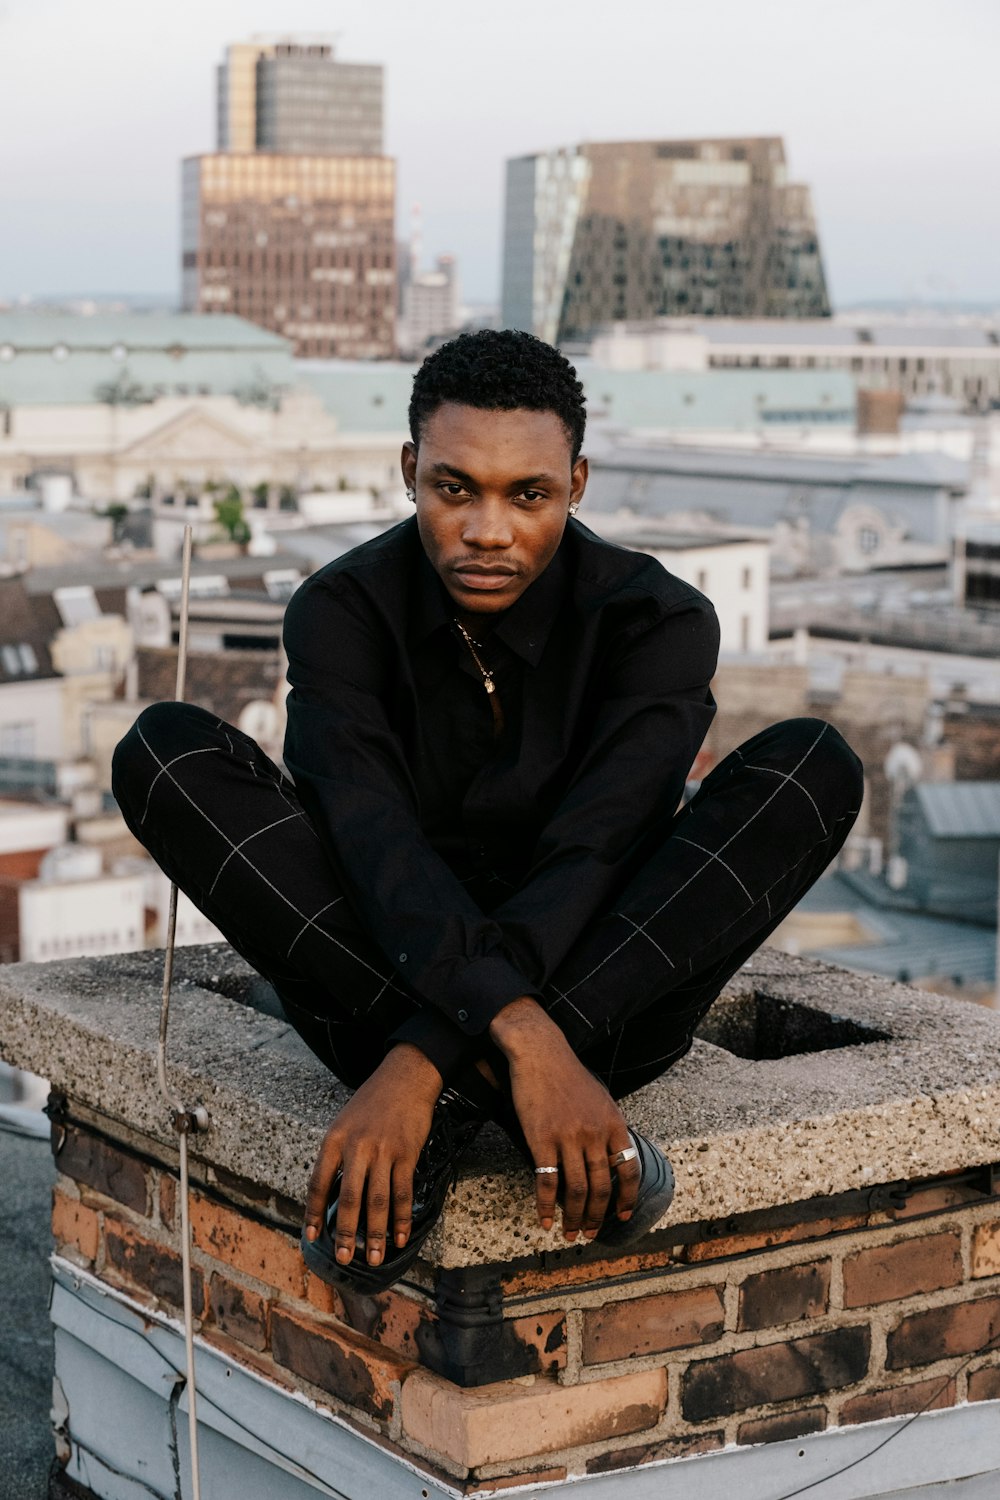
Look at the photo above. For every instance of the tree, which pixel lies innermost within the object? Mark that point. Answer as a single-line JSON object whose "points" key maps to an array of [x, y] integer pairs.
{"points": [[229, 514]]}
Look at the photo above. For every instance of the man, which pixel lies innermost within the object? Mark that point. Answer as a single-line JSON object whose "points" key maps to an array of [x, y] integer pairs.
{"points": [[479, 900]]}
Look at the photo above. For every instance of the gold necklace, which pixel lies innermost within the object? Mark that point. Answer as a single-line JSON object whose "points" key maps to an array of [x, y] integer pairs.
{"points": [[487, 676], [485, 672]]}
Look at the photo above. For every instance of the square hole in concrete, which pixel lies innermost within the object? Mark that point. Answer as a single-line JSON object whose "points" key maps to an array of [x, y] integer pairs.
{"points": [[760, 1026]]}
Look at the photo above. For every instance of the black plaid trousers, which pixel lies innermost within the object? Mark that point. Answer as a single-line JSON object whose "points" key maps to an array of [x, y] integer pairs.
{"points": [[221, 820]]}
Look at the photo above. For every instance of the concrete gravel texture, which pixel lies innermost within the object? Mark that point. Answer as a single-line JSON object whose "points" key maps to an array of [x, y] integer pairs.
{"points": [[26, 1448], [742, 1135]]}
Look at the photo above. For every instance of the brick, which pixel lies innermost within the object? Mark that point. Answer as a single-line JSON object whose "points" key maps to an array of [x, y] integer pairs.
{"points": [[767, 1239], [240, 1187], [782, 1426], [168, 1201], [775, 1372], [962, 1328], [75, 1224], [501, 1423], [771, 1298], [513, 1482], [325, 1299], [357, 1371], [257, 1250], [984, 1384], [88, 1159], [650, 1325], [986, 1249], [934, 1200], [545, 1336], [580, 1269], [149, 1267], [238, 1312], [388, 1317], [648, 1453], [921, 1395], [885, 1273]]}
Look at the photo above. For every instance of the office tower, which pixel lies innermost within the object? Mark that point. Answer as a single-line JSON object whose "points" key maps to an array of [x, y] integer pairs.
{"points": [[290, 223], [628, 230], [297, 97], [430, 307]]}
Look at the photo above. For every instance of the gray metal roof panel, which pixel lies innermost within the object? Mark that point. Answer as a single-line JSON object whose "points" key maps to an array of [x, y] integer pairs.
{"points": [[960, 809]]}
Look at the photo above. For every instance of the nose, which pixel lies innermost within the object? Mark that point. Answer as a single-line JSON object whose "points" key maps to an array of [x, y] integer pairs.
{"points": [[488, 525]]}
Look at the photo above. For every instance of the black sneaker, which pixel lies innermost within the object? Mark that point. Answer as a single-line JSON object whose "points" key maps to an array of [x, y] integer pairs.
{"points": [[454, 1126], [656, 1192]]}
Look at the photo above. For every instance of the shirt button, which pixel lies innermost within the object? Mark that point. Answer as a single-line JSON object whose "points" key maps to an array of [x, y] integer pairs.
{"points": [[402, 958], [463, 1015]]}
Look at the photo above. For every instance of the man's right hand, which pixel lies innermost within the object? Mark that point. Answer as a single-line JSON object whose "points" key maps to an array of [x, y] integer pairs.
{"points": [[374, 1143], [569, 1120]]}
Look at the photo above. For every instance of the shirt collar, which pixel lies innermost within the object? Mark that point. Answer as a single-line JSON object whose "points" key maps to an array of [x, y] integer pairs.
{"points": [[525, 627]]}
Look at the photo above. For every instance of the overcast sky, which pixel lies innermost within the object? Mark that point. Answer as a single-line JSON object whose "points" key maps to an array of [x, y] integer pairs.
{"points": [[889, 109]]}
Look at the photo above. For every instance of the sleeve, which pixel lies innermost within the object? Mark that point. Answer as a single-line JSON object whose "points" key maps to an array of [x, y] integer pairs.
{"points": [[351, 777], [654, 708]]}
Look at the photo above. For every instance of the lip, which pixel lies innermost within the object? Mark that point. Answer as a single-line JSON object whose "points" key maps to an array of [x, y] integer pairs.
{"points": [[484, 578]]}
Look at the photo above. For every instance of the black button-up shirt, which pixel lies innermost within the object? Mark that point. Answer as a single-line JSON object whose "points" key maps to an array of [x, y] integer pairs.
{"points": [[602, 670]]}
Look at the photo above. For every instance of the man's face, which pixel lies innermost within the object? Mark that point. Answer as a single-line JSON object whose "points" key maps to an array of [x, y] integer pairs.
{"points": [[493, 490]]}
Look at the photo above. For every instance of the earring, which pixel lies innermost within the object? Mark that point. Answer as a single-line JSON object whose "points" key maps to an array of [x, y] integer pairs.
{"points": [[411, 494], [574, 508]]}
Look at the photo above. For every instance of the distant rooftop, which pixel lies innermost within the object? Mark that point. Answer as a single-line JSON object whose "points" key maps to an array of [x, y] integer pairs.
{"points": [[961, 809], [66, 359], [833, 332]]}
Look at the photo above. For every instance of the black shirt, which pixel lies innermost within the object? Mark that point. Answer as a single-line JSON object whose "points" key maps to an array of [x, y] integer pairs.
{"points": [[602, 669]]}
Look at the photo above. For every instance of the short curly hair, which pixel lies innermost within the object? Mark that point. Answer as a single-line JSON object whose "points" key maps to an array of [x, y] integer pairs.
{"points": [[500, 370]]}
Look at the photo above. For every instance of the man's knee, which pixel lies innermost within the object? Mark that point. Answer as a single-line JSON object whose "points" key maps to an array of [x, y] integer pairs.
{"points": [[817, 743], [160, 733]]}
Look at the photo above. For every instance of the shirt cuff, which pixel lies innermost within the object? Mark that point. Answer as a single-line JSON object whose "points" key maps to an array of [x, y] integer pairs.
{"points": [[441, 1042], [482, 990]]}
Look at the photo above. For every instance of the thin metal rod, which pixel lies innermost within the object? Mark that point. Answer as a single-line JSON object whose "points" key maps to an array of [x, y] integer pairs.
{"points": [[189, 1321], [170, 1098], [183, 1119]]}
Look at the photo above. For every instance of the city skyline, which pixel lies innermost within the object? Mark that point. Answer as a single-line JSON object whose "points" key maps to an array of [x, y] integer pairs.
{"points": [[887, 112]]}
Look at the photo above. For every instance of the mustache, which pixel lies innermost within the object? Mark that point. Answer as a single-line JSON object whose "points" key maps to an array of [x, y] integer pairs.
{"points": [[483, 565]]}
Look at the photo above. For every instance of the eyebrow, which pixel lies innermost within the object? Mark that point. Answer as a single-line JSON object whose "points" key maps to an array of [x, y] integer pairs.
{"points": [[449, 470]]}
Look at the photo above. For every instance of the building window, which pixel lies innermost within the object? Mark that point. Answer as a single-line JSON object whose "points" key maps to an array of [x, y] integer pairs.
{"points": [[701, 581], [747, 578], [744, 632], [868, 540], [17, 741]]}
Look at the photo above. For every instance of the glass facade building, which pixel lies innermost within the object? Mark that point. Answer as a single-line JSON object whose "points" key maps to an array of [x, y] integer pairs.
{"points": [[633, 230], [290, 222]]}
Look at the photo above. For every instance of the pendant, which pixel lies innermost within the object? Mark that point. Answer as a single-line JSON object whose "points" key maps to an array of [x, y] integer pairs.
{"points": [[488, 684]]}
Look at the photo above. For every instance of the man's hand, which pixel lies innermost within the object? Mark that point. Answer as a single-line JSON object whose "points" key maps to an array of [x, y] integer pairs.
{"points": [[569, 1120], [374, 1142]]}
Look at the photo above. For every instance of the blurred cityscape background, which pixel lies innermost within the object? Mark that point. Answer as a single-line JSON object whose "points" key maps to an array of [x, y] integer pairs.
{"points": [[827, 470]]}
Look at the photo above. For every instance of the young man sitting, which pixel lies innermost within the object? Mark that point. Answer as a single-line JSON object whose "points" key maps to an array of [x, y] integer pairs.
{"points": [[476, 897]]}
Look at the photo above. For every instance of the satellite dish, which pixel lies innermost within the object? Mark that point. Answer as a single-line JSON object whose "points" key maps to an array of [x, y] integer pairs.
{"points": [[903, 764], [259, 719]]}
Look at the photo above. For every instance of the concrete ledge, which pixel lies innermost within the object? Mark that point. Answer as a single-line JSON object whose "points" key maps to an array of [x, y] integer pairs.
{"points": [[744, 1135]]}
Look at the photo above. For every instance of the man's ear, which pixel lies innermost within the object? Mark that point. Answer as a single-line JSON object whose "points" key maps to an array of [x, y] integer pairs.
{"points": [[408, 464], [578, 482]]}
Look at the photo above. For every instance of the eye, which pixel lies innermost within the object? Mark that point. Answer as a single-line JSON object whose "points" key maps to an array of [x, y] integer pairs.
{"points": [[531, 496], [451, 487]]}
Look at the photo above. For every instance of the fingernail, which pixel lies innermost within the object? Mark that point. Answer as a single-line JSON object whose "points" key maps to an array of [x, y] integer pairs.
{"points": [[626, 1213], [400, 1241], [343, 1255], [546, 1223], [312, 1233], [374, 1256], [569, 1234], [590, 1234]]}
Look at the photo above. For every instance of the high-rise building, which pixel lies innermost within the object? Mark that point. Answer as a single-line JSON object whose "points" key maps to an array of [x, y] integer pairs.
{"points": [[290, 223], [296, 96], [430, 307], [628, 230]]}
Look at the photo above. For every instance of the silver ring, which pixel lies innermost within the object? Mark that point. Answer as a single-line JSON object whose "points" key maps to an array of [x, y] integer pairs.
{"points": [[539, 1170], [629, 1154]]}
